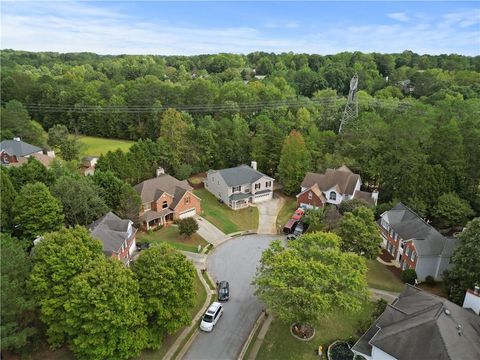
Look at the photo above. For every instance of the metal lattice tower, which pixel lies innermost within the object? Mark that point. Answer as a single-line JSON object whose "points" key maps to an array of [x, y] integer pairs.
{"points": [[351, 109]]}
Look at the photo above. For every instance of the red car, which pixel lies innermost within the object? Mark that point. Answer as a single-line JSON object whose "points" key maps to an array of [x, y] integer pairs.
{"points": [[297, 215]]}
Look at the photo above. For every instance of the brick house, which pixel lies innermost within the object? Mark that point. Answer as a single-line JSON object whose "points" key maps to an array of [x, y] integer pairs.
{"points": [[117, 235], [420, 325], [17, 152], [333, 187], [165, 199], [415, 244]]}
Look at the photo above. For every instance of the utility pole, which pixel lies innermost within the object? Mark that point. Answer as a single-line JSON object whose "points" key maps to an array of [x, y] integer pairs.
{"points": [[351, 109]]}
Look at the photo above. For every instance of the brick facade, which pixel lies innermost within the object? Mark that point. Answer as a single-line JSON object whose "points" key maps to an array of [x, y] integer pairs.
{"points": [[393, 244], [310, 198], [187, 202]]}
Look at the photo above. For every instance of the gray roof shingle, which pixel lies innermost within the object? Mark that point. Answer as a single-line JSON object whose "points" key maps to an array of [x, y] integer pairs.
{"points": [[241, 175], [420, 325], [112, 231], [18, 148]]}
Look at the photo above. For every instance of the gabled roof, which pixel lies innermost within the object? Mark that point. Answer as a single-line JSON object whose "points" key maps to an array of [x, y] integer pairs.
{"points": [[342, 177], [44, 159], [409, 226], [151, 189], [316, 190], [365, 196], [420, 325], [112, 231], [18, 148], [240, 175]]}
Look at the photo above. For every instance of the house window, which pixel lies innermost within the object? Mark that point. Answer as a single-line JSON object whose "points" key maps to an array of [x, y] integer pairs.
{"points": [[164, 204], [268, 184], [333, 195], [147, 206], [310, 195], [236, 189], [257, 186], [404, 265], [187, 199], [412, 256]]}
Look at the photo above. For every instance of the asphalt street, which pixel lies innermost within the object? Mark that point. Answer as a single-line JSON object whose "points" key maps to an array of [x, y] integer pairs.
{"points": [[234, 261]]}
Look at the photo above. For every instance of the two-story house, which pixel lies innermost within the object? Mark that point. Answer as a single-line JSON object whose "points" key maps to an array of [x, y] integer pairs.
{"points": [[333, 187], [117, 235], [414, 243], [17, 152], [165, 199], [423, 326], [240, 186]]}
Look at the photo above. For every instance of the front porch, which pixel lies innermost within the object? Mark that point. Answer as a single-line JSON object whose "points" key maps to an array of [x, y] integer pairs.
{"points": [[152, 219], [240, 200]]}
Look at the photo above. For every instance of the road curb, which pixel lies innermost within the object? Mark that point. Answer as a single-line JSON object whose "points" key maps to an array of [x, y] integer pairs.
{"points": [[260, 321]]}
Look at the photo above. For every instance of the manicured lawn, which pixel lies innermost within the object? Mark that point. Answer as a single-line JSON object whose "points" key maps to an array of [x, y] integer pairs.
{"points": [[286, 211], [280, 344], [171, 236], [379, 277], [223, 217], [200, 297], [96, 146]]}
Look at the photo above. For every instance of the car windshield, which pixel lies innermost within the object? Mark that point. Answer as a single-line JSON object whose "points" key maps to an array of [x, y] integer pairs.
{"points": [[208, 318], [224, 291]]}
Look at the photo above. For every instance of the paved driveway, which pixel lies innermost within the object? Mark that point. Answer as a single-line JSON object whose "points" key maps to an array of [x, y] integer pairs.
{"points": [[236, 262], [268, 212], [210, 232]]}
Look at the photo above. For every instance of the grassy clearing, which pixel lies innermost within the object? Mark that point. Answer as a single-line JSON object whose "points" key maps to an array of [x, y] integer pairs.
{"points": [[280, 344], [167, 343], [96, 146], [171, 236], [223, 217], [286, 211], [379, 277]]}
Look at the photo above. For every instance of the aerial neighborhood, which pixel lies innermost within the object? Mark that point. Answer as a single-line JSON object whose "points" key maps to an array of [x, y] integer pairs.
{"points": [[259, 194]]}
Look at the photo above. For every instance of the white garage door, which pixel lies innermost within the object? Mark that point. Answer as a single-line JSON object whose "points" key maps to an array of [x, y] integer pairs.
{"points": [[188, 213]]}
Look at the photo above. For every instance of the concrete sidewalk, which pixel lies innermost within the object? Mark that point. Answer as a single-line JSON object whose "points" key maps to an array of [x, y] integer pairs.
{"points": [[210, 232]]}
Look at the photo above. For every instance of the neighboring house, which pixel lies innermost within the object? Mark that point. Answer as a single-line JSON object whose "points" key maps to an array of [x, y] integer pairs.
{"points": [[165, 199], [117, 235], [88, 165], [240, 186], [414, 243], [420, 325], [472, 300], [16, 152], [333, 187]]}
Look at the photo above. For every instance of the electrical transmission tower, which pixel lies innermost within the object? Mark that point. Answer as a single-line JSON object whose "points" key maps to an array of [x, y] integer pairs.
{"points": [[351, 109]]}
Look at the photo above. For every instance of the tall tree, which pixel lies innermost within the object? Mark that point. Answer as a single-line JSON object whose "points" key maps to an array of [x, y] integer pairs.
{"points": [[174, 130], [7, 200], [36, 211], [80, 199], [465, 273], [310, 277], [294, 162], [359, 233], [165, 278], [16, 326], [31, 172], [57, 259], [57, 134], [451, 211], [105, 313]]}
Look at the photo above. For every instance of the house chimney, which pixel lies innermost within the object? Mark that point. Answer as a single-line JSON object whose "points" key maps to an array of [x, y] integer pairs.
{"points": [[160, 171], [375, 196], [476, 290], [16, 139], [254, 165]]}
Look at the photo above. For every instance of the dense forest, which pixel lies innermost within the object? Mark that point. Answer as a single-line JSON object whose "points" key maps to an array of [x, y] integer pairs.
{"points": [[417, 136]]}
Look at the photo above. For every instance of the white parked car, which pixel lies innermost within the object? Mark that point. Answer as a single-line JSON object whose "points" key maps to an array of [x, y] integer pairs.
{"points": [[211, 316]]}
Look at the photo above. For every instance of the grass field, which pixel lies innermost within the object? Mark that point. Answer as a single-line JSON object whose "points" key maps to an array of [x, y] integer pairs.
{"points": [[280, 344], [171, 236], [223, 217], [96, 146], [286, 211], [379, 277]]}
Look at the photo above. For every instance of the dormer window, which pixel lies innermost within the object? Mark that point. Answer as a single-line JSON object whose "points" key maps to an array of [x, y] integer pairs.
{"points": [[333, 195]]}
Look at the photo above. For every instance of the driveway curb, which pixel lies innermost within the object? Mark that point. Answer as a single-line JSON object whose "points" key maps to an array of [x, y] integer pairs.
{"points": [[260, 321]]}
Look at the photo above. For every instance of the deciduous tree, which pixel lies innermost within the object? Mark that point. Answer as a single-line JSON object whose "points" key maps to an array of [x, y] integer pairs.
{"points": [[451, 211], [7, 200], [188, 226]]}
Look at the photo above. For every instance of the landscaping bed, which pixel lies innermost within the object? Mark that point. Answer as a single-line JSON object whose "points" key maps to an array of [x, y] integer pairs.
{"points": [[196, 181], [340, 350]]}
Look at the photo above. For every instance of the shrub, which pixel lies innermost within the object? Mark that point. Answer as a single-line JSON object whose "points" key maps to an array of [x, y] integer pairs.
{"points": [[430, 280], [187, 226], [409, 276]]}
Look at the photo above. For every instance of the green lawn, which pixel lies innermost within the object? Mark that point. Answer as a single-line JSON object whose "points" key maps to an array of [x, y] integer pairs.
{"points": [[223, 217], [171, 236], [379, 277], [286, 211], [96, 146], [279, 344], [200, 297]]}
